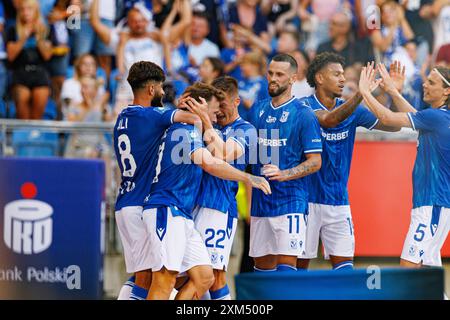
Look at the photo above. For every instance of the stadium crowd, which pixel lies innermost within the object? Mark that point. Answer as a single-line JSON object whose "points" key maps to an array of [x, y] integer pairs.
{"points": [[68, 59]]}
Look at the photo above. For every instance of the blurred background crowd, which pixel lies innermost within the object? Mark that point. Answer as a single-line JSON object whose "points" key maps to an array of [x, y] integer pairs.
{"points": [[68, 59]]}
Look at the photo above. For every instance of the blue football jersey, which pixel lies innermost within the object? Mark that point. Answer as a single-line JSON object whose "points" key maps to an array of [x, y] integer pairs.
{"points": [[177, 179], [329, 185], [431, 174], [219, 194], [285, 134], [137, 135]]}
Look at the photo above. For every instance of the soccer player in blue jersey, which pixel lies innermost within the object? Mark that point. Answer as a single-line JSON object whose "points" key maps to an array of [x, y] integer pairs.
{"points": [[430, 216], [216, 214], [137, 134], [176, 245], [289, 147], [329, 215]]}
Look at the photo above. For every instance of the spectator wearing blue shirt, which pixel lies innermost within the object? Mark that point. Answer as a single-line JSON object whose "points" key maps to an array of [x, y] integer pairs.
{"points": [[253, 85]]}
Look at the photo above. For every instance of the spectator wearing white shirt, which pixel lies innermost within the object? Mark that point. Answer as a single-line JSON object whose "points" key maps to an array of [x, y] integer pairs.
{"points": [[200, 47]]}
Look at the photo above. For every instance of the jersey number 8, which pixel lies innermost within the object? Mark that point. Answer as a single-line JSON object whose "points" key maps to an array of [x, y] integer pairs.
{"points": [[125, 154]]}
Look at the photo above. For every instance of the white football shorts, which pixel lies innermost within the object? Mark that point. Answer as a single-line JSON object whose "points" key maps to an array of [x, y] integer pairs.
{"points": [[334, 226], [427, 232], [134, 237], [279, 235], [217, 230], [175, 243]]}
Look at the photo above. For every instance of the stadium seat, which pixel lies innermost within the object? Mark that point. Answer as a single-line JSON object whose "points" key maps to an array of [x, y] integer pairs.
{"points": [[30, 142], [9, 109], [51, 110]]}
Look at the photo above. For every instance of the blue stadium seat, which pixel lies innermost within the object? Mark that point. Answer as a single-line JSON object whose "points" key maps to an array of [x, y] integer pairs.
{"points": [[51, 110], [10, 109], [2, 109], [29, 142]]}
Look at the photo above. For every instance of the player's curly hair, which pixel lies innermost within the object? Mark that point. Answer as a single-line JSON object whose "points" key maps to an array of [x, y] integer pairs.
{"points": [[143, 72], [319, 62]]}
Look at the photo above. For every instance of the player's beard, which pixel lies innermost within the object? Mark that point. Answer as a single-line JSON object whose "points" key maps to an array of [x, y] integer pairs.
{"points": [[157, 101], [278, 91]]}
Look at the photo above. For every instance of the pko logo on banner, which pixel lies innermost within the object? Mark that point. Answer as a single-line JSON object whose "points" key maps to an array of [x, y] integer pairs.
{"points": [[28, 226]]}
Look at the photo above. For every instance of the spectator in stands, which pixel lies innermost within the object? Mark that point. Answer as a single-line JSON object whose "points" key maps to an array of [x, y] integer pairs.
{"points": [[3, 73], [443, 56], [85, 39], [232, 55], [85, 66], [439, 12], [341, 41], [200, 47], [288, 41], [394, 33], [316, 21], [176, 55], [417, 14], [301, 88], [28, 49], [59, 62], [138, 45], [253, 85], [109, 36], [93, 108], [210, 69], [247, 20], [412, 88], [279, 13]]}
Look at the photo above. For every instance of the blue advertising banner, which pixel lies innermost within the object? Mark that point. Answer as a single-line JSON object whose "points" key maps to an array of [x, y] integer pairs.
{"points": [[51, 244], [373, 283]]}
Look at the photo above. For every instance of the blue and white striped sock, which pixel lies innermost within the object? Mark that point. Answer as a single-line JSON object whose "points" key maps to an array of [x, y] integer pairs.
{"points": [[138, 293], [344, 265], [125, 291], [221, 294], [285, 267]]}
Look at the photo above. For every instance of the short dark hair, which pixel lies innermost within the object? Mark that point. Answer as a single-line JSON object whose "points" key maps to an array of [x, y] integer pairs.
{"points": [[227, 84], [217, 65], [143, 72], [284, 57], [206, 91], [319, 62]]}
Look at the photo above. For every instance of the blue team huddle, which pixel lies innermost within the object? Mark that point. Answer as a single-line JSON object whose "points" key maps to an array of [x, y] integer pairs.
{"points": [[176, 208]]}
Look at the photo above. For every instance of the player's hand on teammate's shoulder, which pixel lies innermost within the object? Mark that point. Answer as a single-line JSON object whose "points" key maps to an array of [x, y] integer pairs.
{"points": [[260, 183]]}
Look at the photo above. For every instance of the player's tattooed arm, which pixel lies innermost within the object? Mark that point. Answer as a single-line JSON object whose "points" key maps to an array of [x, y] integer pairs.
{"points": [[219, 168], [312, 164], [331, 119]]}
